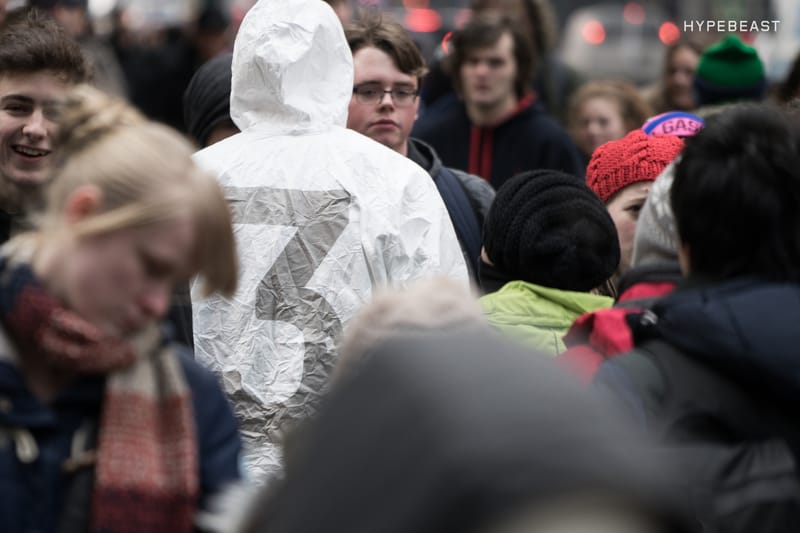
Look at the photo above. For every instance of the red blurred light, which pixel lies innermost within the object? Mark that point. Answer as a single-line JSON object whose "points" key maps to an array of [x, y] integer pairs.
{"points": [[423, 20], [669, 33], [594, 32], [446, 42], [633, 13]]}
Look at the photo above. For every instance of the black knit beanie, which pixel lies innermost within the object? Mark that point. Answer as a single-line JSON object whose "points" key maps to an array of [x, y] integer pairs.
{"points": [[207, 100], [548, 228]]}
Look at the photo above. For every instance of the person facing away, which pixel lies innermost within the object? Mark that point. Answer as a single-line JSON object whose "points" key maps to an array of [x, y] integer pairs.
{"points": [[384, 105], [107, 426], [713, 376], [39, 63], [465, 432], [548, 242], [498, 129], [323, 215]]}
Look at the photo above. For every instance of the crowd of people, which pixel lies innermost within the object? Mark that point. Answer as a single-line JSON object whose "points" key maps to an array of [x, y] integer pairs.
{"points": [[346, 290]]}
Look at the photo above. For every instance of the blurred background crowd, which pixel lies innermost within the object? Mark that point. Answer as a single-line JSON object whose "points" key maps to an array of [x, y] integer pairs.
{"points": [[139, 44]]}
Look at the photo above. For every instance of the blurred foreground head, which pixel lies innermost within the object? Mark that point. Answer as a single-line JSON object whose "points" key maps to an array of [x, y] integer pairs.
{"points": [[427, 306], [465, 433]]}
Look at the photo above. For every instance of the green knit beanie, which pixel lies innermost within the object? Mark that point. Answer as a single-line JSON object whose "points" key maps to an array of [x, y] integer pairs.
{"points": [[729, 70]]}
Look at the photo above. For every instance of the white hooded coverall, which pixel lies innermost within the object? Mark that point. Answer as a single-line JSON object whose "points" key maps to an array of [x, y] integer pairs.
{"points": [[322, 216]]}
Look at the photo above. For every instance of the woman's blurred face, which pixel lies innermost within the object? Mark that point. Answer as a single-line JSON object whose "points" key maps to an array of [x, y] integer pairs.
{"points": [[624, 209], [122, 281], [599, 120], [679, 79]]}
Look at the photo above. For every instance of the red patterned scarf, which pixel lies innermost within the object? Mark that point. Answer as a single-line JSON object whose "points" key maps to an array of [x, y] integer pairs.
{"points": [[146, 475]]}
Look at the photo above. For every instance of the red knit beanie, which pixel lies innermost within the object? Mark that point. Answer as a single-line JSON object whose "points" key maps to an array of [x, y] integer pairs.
{"points": [[636, 157]]}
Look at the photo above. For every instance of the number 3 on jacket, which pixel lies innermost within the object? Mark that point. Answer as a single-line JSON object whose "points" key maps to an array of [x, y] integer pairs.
{"points": [[319, 217]]}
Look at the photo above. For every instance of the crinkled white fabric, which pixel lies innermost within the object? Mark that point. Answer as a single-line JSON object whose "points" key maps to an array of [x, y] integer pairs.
{"points": [[322, 215]]}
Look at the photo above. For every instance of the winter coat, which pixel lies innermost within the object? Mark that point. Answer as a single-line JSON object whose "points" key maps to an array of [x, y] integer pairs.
{"points": [[322, 215], [529, 139], [33, 482], [715, 379], [538, 316], [466, 197]]}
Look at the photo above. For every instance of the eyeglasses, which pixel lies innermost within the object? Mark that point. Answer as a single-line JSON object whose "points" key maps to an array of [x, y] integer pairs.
{"points": [[372, 93]]}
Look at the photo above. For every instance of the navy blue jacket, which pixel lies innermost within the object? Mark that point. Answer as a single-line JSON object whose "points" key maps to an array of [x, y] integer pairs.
{"points": [[715, 379], [32, 494], [466, 197], [529, 139]]}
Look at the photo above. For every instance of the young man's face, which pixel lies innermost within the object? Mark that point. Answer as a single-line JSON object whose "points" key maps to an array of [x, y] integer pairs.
{"points": [[27, 127], [488, 74], [387, 121]]}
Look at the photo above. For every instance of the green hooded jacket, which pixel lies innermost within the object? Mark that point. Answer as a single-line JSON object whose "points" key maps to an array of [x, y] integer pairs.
{"points": [[538, 316]]}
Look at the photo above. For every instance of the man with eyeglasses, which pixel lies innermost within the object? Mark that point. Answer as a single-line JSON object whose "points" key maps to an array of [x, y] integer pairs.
{"points": [[384, 106]]}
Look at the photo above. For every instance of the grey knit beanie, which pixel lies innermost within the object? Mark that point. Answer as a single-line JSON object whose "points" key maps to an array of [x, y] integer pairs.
{"points": [[656, 239]]}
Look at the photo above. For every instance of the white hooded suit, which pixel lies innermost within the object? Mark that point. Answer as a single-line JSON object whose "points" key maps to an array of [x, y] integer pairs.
{"points": [[322, 216]]}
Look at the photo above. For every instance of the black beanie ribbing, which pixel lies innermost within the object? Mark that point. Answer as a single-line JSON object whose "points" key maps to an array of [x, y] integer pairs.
{"points": [[207, 99], [548, 228]]}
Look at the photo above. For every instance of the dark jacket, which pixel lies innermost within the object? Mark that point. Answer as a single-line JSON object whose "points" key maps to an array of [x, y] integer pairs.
{"points": [[33, 494], [466, 197], [529, 139], [716, 378], [555, 82]]}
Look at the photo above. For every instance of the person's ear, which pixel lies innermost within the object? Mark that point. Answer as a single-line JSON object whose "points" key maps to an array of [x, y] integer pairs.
{"points": [[684, 258], [485, 257], [83, 202]]}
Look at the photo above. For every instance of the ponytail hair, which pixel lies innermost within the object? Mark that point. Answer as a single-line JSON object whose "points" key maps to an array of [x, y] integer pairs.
{"points": [[145, 174]]}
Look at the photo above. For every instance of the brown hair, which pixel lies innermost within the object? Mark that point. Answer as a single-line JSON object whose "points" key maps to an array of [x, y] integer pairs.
{"points": [[541, 18], [373, 30], [484, 31], [33, 42], [633, 107], [665, 104]]}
